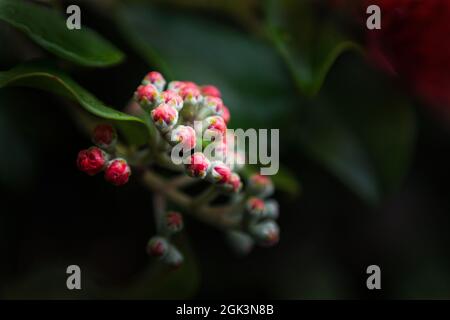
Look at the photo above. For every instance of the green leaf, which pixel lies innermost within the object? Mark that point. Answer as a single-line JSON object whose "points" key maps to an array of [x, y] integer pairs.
{"points": [[48, 29], [327, 140], [308, 43], [46, 77], [183, 46], [361, 129], [284, 180]]}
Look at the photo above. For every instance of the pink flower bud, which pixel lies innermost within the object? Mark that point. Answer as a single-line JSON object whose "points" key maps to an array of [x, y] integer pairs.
{"points": [[213, 105], [184, 135], [198, 166], [174, 221], [219, 172], [255, 207], [164, 116], [210, 90], [190, 94], [158, 247], [226, 114], [104, 136], [175, 86], [266, 233], [147, 96], [215, 123], [155, 78], [260, 185], [233, 184], [117, 172], [92, 160], [173, 99]]}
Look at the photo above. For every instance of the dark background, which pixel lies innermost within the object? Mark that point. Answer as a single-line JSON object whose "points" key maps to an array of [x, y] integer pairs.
{"points": [[52, 215]]}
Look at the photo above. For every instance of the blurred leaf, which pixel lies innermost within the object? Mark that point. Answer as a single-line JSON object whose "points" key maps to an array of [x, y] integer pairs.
{"points": [[284, 180], [48, 29], [308, 43], [249, 73], [46, 77], [385, 123], [325, 138], [363, 137], [16, 163]]}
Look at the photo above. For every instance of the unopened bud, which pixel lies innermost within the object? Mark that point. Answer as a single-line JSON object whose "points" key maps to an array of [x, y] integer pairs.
{"points": [[271, 209], [198, 166], [190, 95], [265, 233], [260, 185], [155, 78], [164, 117], [213, 104], [92, 160], [233, 184], [184, 135], [147, 96], [210, 90], [158, 247], [219, 172], [173, 222], [104, 136], [173, 99], [174, 258], [118, 172], [255, 207]]}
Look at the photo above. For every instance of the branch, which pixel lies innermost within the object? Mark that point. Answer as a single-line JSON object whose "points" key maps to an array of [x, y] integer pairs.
{"points": [[217, 216]]}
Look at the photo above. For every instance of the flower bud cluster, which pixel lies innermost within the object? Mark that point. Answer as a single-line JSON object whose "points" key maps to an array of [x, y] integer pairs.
{"points": [[174, 108], [101, 157]]}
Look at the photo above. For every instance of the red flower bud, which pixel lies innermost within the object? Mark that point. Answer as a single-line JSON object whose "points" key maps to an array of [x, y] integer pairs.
{"points": [[255, 206], [155, 78], [158, 247], [104, 136], [147, 96], [173, 99], [233, 184], [213, 104], [210, 90], [174, 221], [184, 135], [260, 185], [92, 160], [117, 172], [190, 94], [198, 166], [164, 116], [216, 123], [219, 173]]}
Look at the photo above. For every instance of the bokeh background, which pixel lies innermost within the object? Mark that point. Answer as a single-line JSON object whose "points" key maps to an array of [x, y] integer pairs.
{"points": [[365, 151]]}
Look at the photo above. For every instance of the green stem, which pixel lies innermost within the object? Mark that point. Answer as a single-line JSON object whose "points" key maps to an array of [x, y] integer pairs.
{"points": [[216, 216]]}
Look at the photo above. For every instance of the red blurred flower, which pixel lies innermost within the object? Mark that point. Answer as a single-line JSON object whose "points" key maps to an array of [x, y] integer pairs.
{"points": [[413, 43]]}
